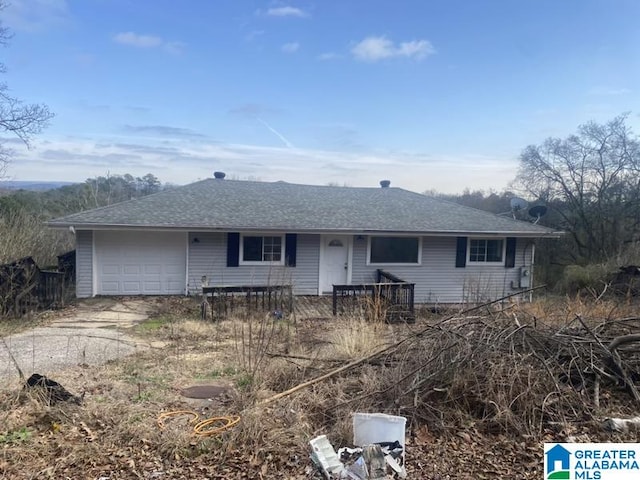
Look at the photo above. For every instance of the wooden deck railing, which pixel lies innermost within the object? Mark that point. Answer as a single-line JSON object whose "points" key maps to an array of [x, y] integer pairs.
{"points": [[224, 300], [389, 296]]}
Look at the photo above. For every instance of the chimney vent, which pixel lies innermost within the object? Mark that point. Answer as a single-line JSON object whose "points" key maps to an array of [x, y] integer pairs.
{"points": [[219, 175], [385, 183]]}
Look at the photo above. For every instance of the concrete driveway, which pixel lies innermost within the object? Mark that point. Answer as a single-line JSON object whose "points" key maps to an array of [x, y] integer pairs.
{"points": [[90, 333]]}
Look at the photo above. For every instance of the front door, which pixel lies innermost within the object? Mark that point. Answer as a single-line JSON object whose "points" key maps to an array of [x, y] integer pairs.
{"points": [[334, 269]]}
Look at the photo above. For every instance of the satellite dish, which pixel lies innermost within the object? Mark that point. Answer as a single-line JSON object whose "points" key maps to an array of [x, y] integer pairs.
{"points": [[537, 211], [518, 203]]}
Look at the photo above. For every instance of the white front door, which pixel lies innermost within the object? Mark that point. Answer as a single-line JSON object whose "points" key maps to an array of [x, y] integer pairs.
{"points": [[334, 269]]}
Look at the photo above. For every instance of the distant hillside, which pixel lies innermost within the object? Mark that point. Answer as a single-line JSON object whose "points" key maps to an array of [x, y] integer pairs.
{"points": [[35, 186]]}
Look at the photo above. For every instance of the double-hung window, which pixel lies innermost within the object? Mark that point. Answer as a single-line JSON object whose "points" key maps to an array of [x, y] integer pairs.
{"points": [[484, 250], [258, 249]]}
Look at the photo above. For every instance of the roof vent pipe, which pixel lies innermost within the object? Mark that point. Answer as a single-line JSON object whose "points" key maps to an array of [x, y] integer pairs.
{"points": [[385, 183], [219, 175]]}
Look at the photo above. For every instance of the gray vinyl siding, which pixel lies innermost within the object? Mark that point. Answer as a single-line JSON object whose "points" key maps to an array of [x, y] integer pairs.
{"points": [[84, 263], [439, 281], [208, 256]]}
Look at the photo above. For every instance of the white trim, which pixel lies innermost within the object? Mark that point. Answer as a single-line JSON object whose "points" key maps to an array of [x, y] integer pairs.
{"points": [[283, 252], [533, 254], [320, 263], [94, 265], [504, 251], [378, 233], [532, 269], [396, 264], [186, 267], [349, 259]]}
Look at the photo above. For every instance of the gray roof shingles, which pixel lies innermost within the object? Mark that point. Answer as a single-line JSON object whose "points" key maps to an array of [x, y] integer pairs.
{"points": [[232, 205]]}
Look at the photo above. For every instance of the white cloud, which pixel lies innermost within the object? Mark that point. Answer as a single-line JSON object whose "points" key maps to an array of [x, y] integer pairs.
{"points": [[373, 49], [175, 48], [290, 47], [252, 110], [253, 34], [34, 15], [183, 159], [137, 40], [608, 91], [416, 48], [329, 56], [287, 12]]}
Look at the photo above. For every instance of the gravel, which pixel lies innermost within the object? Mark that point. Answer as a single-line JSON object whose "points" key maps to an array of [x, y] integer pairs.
{"points": [[48, 349], [91, 334]]}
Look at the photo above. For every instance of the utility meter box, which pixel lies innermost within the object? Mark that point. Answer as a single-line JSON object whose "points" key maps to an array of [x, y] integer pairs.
{"points": [[525, 277]]}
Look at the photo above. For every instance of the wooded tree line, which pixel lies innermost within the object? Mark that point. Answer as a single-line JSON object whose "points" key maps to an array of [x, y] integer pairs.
{"points": [[23, 213], [93, 193], [591, 183]]}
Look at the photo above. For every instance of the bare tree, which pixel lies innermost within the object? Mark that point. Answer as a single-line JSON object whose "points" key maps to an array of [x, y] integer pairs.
{"points": [[17, 118], [592, 179]]}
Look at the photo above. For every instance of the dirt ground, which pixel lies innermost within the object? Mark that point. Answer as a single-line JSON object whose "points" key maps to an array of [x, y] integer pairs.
{"points": [[117, 430]]}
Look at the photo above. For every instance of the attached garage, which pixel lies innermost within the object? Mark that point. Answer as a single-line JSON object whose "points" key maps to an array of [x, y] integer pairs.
{"points": [[140, 263]]}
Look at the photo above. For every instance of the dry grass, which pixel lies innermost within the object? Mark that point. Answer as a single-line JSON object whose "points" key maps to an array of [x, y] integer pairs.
{"points": [[356, 337], [562, 310], [493, 376]]}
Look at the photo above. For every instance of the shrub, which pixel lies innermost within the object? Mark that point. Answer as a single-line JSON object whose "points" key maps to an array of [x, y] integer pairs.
{"points": [[577, 278], [23, 234]]}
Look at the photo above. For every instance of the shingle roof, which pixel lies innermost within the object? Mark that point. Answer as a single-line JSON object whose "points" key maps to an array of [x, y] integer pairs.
{"points": [[243, 205]]}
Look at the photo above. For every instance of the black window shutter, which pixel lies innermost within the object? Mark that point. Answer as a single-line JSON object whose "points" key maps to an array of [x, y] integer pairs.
{"points": [[461, 252], [510, 257], [233, 249], [290, 247]]}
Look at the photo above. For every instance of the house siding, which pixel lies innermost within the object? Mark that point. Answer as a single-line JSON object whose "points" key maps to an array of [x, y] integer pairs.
{"points": [[208, 256], [438, 280], [84, 263]]}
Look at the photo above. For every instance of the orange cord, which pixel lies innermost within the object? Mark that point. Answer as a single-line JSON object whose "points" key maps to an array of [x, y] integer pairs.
{"points": [[204, 427]]}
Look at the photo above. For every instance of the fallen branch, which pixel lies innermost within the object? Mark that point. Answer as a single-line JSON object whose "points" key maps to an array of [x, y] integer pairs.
{"points": [[615, 358], [383, 350], [623, 339], [302, 357]]}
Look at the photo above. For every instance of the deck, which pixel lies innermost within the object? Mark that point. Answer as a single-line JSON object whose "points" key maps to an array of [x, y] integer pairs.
{"points": [[390, 299], [313, 307]]}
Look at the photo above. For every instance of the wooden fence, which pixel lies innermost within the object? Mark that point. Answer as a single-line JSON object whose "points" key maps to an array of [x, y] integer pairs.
{"points": [[25, 288], [51, 289]]}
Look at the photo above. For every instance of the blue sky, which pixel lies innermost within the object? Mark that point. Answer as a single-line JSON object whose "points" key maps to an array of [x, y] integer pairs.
{"points": [[429, 94]]}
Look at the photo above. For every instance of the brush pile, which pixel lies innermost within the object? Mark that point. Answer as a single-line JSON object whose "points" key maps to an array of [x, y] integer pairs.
{"points": [[481, 390], [502, 374]]}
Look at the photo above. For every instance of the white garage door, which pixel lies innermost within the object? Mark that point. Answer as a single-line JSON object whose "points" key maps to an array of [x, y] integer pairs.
{"points": [[140, 263]]}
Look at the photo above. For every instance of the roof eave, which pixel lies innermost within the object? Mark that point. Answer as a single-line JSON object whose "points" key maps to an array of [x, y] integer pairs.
{"points": [[344, 231]]}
